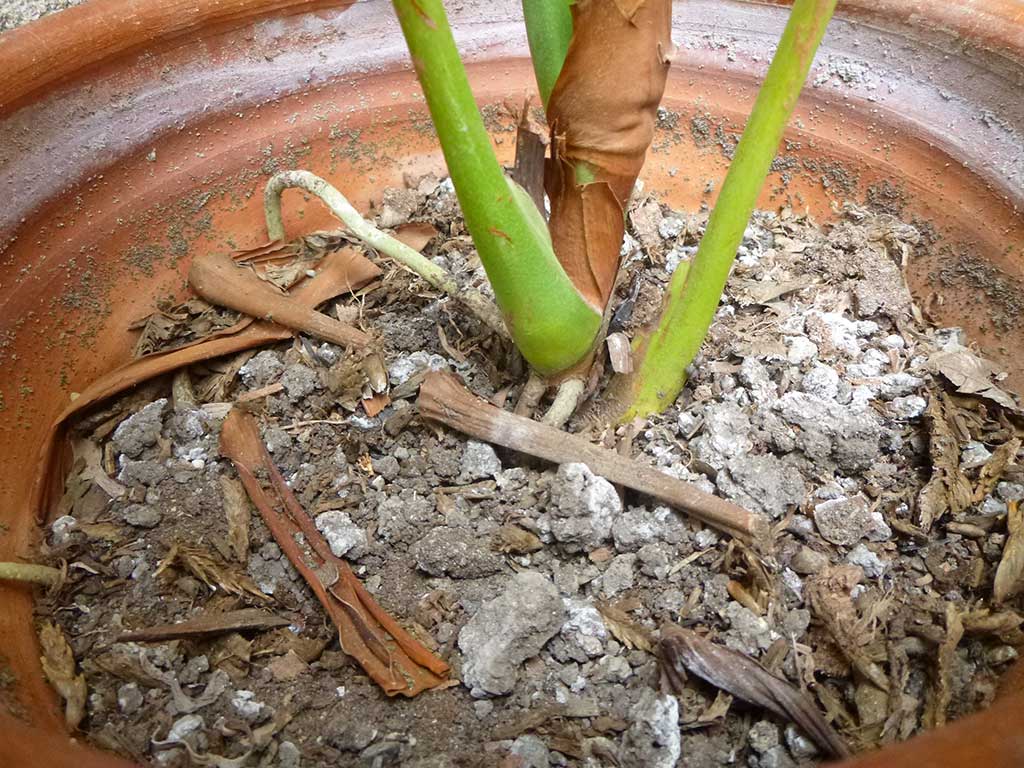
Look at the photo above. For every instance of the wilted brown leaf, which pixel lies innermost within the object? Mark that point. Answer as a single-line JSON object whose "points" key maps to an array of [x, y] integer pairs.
{"points": [[1011, 565], [58, 663], [682, 650], [993, 470], [971, 375], [948, 490], [601, 114], [828, 595], [416, 234], [624, 629]]}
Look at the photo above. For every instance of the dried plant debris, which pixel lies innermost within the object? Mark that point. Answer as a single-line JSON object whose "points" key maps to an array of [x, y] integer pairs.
{"points": [[808, 410], [682, 650], [948, 491], [211, 570], [1010, 573], [58, 662], [972, 375]]}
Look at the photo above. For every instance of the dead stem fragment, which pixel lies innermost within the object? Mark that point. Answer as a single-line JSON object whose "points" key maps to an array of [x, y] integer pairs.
{"points": [[59, 667], [1011, 565], [208, 624], [682, 650], [395, 660], [444, 399]]}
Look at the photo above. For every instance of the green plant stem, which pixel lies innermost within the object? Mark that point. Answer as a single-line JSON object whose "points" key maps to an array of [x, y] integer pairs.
{"points": [[35, 574], [408, 257], [551, 323], [693, 294], [548, 30]]}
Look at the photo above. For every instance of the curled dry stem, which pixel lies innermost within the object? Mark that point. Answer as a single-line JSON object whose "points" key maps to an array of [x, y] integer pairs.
{"points": [[374, 238]]}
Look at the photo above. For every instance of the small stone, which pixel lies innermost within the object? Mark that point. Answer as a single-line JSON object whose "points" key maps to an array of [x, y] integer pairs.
{"points": [[612, 669], [140, 430], [726, 434], [807, 561], [827, 429], [145, 473], [184, 726], [479, 461], [531, 751], [634, 528], [670, 227], [821, 381], [582, 509], [1010, 491], [277, 440], [846, 520], [763, 736], [299, 381], [801, 349], [507, 631], [974, 455], [799, 745], [748, 633], [705, 538], [652, 739], [455, 552], [754, 376], [387, 467], [246, 707], [288, 755], [402, 369], [619, 576], [908, 408], [584, 628], [764, 484], [61, 530], [142, 516], [873, 566], [263, 369], [483, 708], [129, 698], [894, 385], [345, 538]]}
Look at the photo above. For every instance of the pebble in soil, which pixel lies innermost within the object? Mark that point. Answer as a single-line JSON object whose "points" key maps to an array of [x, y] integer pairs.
{"points": [[806, 406]]}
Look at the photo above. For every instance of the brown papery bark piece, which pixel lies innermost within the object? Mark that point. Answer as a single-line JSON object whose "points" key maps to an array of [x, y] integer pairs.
{"points": [[216, 278], [602, 113], [341, 271], [208, 624], [444, 399], [392, 658]]}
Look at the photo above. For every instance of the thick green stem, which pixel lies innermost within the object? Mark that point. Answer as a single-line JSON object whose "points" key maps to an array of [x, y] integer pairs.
{"points": [[693, 294], [548, 30], [551, 323]]}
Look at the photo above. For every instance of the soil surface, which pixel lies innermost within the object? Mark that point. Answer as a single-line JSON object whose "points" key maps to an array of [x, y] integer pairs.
{"points": [[822, 400]]}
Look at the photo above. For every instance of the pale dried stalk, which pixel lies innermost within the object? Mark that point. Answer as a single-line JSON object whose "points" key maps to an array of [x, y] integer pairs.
{"points": [[29, 572], [409, 258], [444, 399]]}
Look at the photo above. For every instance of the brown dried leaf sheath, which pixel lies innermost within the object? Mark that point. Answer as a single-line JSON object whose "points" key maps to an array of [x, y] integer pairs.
{"points": [[1011, 566], [601, 114], [389, 655], [948, 490], [342, 270], [682, 649]]}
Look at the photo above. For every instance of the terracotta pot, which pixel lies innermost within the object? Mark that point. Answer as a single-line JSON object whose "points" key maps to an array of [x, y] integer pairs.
{"points": [[138, 133]]}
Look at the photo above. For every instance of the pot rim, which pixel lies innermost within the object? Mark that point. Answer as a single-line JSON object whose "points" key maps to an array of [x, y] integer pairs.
{"points": [[46, 52]]}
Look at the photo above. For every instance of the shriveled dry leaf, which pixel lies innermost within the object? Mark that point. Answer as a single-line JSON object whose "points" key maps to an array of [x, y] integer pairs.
{"points": [[1011, 565], [624, 629], [828, 595], [1003, 624], [58, 663], [941, 692], [515, 541], [971, 375], [236, 509], [717, 709], [763, 292], [682, 650], [948, 490], [602, 113], [376, 404], [210, 570], [993, 470]]}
